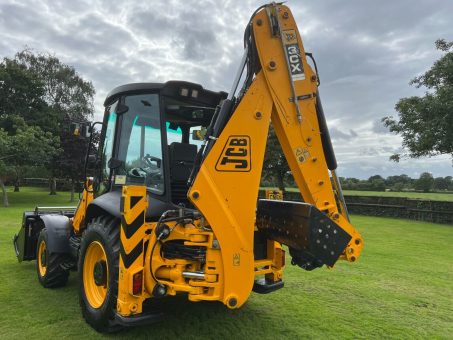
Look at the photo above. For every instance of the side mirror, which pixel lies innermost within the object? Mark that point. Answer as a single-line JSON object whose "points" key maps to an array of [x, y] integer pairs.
{"points": [[86, 130], [199, 134], [75, 128], [81, 129]]}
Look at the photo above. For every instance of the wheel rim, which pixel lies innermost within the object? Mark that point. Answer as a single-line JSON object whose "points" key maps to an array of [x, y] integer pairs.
{"points": [[95, 274], [42, 258]]}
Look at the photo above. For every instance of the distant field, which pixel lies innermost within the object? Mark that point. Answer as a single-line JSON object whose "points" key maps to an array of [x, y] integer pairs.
{"points": [[422, 195], [401, 287]]}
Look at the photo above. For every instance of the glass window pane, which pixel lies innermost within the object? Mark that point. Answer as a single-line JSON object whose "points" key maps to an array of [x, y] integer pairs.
{"points": [[198, 143], [108, 149], [141, 145], [173, 136]]}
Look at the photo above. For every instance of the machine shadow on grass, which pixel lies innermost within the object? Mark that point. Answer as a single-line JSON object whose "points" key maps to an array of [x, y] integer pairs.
{"points": [[179, 312]]}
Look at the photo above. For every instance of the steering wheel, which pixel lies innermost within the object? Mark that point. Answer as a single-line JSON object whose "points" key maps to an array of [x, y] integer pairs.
{"points": [[148, 160], [151, 169]]}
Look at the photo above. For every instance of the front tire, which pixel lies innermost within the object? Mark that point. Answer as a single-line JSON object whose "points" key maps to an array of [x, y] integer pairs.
{"points": [[51, 273], [98, 273]]}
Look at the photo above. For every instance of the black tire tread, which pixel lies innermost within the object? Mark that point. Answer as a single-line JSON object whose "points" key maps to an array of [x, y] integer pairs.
{"points": [[108, 228], [56, 276]]}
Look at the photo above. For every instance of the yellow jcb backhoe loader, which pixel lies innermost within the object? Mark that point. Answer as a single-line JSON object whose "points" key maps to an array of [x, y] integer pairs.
{"points": [[172, 206]]}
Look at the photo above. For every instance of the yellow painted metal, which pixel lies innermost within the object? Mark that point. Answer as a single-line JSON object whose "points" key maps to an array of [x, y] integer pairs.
{"points": [[42, 253], [227, 199], [170, 271], [227, 196], [95, 294], [79, 217], [300, 141], [133, 239]]}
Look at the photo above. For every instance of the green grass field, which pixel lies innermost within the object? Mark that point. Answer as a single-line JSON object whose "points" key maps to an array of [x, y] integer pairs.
{"points": [[401, 287], [435, 196]]}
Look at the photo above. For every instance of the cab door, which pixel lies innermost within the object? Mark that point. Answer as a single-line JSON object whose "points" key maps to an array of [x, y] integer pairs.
{"points": [[103, 174]]}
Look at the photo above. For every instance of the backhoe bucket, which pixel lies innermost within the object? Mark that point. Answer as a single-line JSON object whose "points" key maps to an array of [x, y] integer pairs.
{"points": [[312, 237]]}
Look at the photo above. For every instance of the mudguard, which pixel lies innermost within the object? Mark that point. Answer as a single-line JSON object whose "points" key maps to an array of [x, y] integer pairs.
{"points": [[110, 203], [58, 233], [107, 203]]}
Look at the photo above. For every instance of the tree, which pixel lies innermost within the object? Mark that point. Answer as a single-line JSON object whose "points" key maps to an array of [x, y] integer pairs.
{"points": [[275, 166], [376, 183], [21, 95], [425, 182], [69, 97], [449, 180], [426, 123], [4, 155], [28, 146], [31, 146], [72, 167], [441, 183], [65, 91]]}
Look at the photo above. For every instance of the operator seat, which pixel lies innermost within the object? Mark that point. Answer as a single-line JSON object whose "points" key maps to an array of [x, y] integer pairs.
{"points": [[182, 158]]}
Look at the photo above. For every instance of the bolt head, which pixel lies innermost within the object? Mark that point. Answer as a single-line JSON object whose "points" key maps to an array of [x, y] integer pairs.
{"points": [[272, 65], [232, 302]]}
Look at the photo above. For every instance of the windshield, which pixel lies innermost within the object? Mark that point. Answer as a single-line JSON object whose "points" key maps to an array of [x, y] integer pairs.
{"points": [[140, 148]]}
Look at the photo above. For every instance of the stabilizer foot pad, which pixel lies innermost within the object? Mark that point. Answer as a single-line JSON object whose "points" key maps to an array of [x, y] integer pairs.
{"points": [[263, 286]]}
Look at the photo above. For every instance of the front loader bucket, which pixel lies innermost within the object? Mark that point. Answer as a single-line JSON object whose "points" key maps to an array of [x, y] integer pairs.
{"points": [[312, 237], [26, 239]]}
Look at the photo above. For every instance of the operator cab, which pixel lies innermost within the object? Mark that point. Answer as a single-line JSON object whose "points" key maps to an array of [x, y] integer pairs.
{"points": [[150, 136]]}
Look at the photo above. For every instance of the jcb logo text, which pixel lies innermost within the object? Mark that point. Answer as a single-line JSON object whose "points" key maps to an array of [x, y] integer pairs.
{"points": [[235, 155]]}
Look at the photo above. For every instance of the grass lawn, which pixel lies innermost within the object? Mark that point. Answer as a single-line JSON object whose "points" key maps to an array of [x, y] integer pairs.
{"points": [[401, 287]]}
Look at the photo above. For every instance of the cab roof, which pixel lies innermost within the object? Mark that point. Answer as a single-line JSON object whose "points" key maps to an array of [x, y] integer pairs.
{"points": [[182, 90]]}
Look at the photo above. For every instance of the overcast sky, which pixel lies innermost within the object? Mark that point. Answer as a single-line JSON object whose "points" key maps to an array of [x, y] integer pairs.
{"points": [[367, 52]]}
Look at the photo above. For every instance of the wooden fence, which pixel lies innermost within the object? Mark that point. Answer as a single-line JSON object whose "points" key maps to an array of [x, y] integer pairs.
{"points": [[398, 207]]}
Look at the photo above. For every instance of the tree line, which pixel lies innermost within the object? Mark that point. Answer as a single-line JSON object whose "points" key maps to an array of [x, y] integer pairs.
{"points": [[40, 97], [426, 183]]}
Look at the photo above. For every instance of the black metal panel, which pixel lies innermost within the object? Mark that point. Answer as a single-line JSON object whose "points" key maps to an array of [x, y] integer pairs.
{"points": [[58, 232], [110, 203], [313, 238], [131, 89], [325, 136], [259, 246]]}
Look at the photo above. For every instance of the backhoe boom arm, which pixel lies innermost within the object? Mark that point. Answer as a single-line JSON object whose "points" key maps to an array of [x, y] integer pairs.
{"points": [[280, 88]]}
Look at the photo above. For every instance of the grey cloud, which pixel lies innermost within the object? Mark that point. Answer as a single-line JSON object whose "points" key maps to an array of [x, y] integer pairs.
{"points": [[366, 51], [337, 134], [379, 127]]}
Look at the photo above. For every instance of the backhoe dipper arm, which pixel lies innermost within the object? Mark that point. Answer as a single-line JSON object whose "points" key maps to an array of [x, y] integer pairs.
{"points": [[281, 88]]}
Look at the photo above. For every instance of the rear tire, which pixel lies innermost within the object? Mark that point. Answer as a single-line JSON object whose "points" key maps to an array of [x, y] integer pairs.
{"points": [[51, 274], [98, 273]]}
